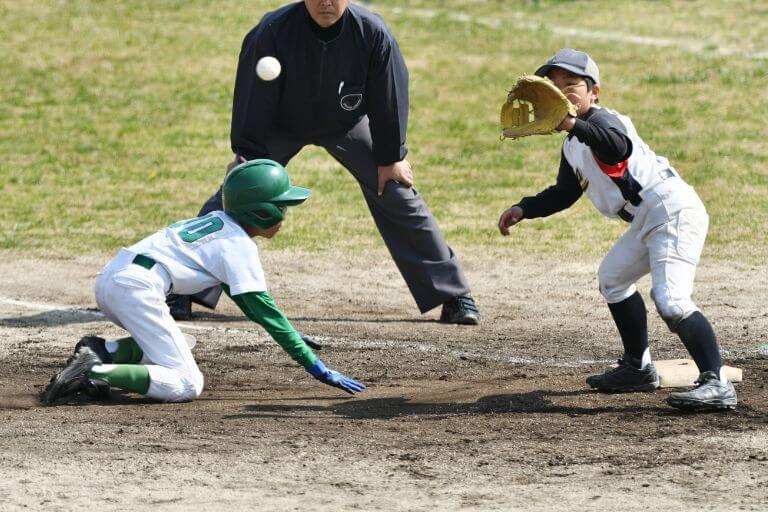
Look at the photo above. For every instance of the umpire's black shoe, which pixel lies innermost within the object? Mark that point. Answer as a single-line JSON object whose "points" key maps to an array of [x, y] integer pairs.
{"points": [[73, 379], [180, 306], [710, 394], [625, 378], [98, 345], [460, 310]]}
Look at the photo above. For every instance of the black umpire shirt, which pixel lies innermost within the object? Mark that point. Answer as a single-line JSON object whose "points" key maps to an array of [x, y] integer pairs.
{"points": [[327, 83]]}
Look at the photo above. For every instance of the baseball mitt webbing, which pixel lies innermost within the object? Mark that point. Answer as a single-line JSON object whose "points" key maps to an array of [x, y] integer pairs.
{"points": [[534, 106]]}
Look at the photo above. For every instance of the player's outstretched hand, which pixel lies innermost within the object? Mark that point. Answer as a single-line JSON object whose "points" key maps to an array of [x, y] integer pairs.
{"points": [[334, 378], [509, 218]]}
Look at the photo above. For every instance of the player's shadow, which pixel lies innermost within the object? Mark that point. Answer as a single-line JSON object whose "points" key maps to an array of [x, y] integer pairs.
{"points": [[373, 320], [223, 317], [54, 318], [532, 402], [377, 320]]}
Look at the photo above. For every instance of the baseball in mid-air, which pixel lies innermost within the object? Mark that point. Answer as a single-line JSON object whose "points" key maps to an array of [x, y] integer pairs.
{"points": [[268, 68]]}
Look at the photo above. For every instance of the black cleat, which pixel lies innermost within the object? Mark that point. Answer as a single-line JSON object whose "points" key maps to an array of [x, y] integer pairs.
{"points": [[98, 345], [180, 306], [625, 378], [73, 379], [98, 391], [710, 394], [460, 310]]}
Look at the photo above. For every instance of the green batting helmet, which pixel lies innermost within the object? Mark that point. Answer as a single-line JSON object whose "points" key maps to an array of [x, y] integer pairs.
{"points": [[256, 193]]}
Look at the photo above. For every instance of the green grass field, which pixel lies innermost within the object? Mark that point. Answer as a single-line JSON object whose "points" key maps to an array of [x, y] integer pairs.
{"points": [[114, 118]]}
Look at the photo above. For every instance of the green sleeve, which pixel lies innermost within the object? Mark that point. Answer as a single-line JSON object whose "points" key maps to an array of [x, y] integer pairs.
{"points": [[261, 308]]}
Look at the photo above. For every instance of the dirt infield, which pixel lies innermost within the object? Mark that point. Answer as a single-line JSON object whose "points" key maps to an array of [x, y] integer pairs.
{"points": [[495, 417]]}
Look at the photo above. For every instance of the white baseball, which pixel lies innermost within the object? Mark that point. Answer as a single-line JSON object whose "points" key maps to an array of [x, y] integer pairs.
{"points": [[268, 68]]}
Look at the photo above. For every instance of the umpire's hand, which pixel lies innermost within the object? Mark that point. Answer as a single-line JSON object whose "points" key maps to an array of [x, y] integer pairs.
{"points": [[401, 172]]}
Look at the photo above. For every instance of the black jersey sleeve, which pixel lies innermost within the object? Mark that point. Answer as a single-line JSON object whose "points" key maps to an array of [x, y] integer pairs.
{"points": [[387, 89], [558, 197], [255, 101], [605, 135]]}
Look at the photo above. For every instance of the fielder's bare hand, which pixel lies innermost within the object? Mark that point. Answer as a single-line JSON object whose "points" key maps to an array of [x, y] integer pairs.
{"points": [[567, 124], [509, 218], [401, 172]]}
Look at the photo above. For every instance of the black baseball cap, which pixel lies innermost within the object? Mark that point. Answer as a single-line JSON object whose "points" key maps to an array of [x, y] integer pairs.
{"points": [[573, 61]]}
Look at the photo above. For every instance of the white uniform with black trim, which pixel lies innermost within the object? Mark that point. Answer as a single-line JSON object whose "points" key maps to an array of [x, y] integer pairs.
{"points": [[667, 231], [190, 256]]}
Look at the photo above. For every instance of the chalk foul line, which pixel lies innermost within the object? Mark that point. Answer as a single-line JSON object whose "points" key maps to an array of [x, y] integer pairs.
{"points": [[687, 45], [426, 347]]}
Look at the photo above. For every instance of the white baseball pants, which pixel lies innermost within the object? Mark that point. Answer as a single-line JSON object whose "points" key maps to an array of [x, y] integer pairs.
{"points": [[133, 297], [666, 239]]}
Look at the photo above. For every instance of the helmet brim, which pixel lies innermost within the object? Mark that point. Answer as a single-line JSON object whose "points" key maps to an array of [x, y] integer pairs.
{"points": [[293, 196]]}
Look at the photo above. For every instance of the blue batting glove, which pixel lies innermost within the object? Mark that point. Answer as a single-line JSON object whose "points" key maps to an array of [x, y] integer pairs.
{"points": [[334, 378]]}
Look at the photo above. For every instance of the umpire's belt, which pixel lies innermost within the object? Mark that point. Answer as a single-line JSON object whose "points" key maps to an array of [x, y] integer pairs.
{"points": [[144, 261]]}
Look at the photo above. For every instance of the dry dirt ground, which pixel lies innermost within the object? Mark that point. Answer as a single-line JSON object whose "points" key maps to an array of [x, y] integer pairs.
{"points": [[494, 417]]}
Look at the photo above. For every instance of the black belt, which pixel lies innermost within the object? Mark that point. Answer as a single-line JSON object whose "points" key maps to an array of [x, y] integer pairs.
{"points": [[143, 261], [625, 215], [628, 217]]}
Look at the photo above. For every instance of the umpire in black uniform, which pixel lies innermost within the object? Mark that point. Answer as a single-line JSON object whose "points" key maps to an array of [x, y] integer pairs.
{"points": [[344, 87]]}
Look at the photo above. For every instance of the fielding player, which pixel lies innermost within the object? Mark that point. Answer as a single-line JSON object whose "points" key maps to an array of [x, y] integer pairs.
{"points": [[187, 257], [604, 158]]}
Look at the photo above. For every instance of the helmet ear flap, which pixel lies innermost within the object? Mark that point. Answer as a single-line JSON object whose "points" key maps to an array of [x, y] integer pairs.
{"points": [[263, 215], [270, 213]]}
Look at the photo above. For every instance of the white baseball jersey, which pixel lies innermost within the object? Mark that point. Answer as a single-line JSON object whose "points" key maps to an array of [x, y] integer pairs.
{"points": [[612, 188], [206, 251]]}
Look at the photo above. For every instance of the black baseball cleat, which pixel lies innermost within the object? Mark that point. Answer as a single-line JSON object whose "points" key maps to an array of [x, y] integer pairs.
{"points": [[710, 394], [73, 379], [98, 345], [98, 391], [460, 310], [625, 378], [180, 306]]}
